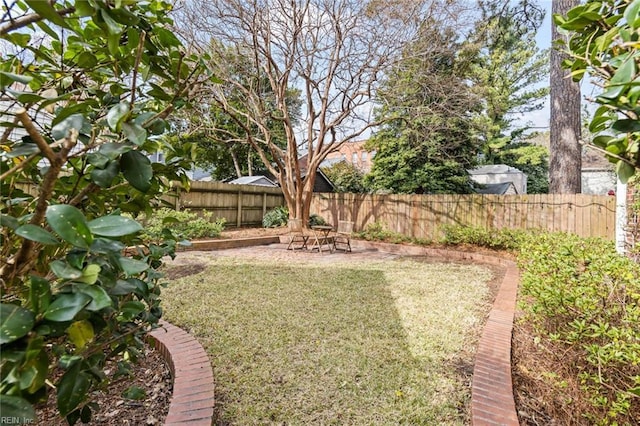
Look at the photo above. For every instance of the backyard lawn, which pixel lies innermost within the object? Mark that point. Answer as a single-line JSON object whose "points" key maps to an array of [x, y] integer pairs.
{"points": [[315, 342]]}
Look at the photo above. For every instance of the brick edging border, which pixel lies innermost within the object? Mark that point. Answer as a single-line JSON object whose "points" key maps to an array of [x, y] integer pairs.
{"points": [[492, 401], [192, 399]]}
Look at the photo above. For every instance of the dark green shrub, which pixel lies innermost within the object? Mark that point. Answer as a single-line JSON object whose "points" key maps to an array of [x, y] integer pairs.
{"points": [[315, 220], [183, 224], [377, 232], [503, 239], [276, 217]]}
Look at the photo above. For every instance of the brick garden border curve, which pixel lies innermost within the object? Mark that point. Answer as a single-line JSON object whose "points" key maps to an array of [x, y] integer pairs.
{"points": [[492, 402], [192, 399]]}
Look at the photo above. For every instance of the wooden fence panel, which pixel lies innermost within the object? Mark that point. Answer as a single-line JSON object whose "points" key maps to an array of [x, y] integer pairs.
{"points": [[423, 216], [239, 205]]}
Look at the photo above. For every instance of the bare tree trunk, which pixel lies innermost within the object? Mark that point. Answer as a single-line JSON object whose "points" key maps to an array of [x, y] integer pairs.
{"points": [[565, 149], [236, 164]]}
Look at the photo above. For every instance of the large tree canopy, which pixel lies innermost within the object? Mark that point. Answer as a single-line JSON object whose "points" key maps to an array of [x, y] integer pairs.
{"points": [[427, 142], [508, 75], [221, 143], [334, 52]]}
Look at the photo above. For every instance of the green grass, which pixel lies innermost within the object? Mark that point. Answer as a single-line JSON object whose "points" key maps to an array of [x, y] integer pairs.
{"points": [[359, 343]]}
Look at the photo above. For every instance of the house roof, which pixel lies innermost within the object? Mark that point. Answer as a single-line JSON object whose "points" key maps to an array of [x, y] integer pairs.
{"points": [[495, 188], [493, 169], [253, 180]]}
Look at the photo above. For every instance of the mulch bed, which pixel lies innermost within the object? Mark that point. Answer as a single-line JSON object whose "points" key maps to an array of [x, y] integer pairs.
{"points": [[151, 374]]}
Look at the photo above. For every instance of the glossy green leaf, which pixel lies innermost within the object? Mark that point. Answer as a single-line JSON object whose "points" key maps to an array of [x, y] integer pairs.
{"points": [[72, 389], [112, 26], [70, 224], [15, 322], [7, 78], [81, 333], [84, 8], [66, 307], [167, 38], [46, 11], [114, 150], [123, 287], [135, 133], [114, 226], [34, 371], [123, 16], [39, 294], [64, 271], [23, 150], [632, 14], [74, 121], [37, 234], [90, 274], [137, 170], [104, 246], [625, 171], [132, 266], [99, 297], [618, 83], [626, 126], [9, 221], [15, 407], [104, 177], [87, 60], [132, 309], [117, 114]]}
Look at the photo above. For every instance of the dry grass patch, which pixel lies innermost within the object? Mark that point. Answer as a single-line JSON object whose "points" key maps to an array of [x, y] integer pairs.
{"points": [[385, 342]]}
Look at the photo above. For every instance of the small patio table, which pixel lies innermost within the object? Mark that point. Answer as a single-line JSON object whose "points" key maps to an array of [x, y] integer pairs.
{"points": [[321, 237]]}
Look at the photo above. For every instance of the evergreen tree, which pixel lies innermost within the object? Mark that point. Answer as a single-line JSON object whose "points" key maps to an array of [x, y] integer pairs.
{"points": [[427, 144], [507, 75]]}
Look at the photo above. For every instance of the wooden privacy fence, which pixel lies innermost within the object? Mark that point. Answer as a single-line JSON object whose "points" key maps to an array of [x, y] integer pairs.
{"points": [[240, 205], [422, 216]]}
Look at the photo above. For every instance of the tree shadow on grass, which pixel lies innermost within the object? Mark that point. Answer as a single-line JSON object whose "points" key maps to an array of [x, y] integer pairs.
{"points": [[312, 345]]}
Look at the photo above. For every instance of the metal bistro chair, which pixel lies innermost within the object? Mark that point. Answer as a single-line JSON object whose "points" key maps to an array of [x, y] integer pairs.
{"points": [[297, 235], [342, 238]]}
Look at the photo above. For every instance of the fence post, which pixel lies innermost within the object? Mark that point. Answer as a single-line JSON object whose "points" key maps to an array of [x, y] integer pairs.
{"points": [[621, 217], [239, 218], [264, 204]]}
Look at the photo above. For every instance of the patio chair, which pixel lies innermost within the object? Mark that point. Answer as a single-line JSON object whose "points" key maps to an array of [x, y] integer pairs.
{"points": [[342, 238], [297, 235]]}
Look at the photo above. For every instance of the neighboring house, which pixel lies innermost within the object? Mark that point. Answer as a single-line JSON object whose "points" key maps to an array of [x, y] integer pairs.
{"points": [[491, 175], [598, 181], [254, 180], [322, 182], [505, 188], [353, 153]]}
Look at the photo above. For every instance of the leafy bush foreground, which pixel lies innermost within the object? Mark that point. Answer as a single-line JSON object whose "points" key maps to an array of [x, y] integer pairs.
{"points": [[87, 88]]}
